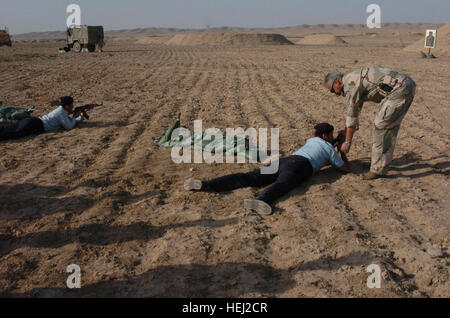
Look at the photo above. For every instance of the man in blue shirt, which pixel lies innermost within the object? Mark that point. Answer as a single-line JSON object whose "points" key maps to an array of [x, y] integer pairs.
{"points": [[293, 170], [55, 120]]}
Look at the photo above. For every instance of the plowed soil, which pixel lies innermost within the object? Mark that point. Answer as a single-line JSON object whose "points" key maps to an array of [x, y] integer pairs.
{"points": [[105, 197]]}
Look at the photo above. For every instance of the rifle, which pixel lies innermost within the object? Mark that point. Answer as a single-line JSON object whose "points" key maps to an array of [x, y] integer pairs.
{"points": [[84, 108], [337, 142]]}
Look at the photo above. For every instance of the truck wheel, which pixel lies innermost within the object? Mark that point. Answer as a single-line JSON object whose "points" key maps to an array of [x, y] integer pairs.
{"points": [[77, 47], [91, 48]]}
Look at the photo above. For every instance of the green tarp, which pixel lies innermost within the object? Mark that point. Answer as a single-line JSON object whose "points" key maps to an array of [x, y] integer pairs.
{"points": [[226, 145]]}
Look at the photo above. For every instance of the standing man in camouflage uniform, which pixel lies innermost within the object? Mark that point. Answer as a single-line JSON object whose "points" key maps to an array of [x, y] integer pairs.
{"points": [[393, 90]]}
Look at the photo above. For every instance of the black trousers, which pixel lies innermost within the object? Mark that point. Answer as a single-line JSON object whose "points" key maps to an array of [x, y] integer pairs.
{"points": [[292, 171], [24, 127]]}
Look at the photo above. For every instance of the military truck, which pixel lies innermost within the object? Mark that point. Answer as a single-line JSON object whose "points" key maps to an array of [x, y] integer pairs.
{"points": [[85, 37], [5, 39]]}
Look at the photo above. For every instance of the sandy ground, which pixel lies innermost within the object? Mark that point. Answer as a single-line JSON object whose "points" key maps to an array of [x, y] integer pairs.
{"points": [[105, 197]]}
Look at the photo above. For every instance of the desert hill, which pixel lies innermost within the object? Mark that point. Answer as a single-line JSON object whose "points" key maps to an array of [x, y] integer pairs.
{"points": [[298, 30]]}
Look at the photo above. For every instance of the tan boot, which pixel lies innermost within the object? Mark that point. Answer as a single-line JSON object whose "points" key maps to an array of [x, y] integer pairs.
{"points": [[371, 176]]}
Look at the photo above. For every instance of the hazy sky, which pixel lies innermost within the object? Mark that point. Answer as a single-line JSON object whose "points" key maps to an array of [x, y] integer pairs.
{"points": [[50, 15]]}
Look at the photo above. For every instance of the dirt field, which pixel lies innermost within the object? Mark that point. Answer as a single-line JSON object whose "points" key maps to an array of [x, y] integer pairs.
{"points": [[105, 197]]}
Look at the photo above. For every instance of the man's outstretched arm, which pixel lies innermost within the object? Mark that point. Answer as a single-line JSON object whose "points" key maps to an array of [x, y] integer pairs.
{"points": [[345, 148]]}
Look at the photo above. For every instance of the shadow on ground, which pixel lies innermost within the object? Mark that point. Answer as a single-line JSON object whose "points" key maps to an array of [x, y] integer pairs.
{"points": [[195, 280], [100, 234], [34, 201], [409, 162]]}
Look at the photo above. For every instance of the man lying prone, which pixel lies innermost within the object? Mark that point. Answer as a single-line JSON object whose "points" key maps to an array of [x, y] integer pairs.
{"points": [[293, 171]]}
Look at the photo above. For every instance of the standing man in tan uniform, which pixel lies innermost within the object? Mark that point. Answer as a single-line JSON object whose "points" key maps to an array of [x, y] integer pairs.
{"points": [[393, 90]]}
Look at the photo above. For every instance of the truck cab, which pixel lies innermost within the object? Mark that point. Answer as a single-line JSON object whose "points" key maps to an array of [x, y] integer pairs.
{"points": [[85, 37]]}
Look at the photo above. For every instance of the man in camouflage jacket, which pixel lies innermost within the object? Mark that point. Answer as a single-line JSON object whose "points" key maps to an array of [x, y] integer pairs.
{"points": [[393, 90]]}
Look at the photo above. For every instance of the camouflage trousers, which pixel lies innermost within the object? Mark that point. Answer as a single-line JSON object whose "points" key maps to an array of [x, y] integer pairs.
{"points": [[387, 124]]}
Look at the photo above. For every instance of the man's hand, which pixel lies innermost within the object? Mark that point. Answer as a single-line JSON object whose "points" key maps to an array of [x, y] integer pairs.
{"points": [[345, 148], [77, 114]]}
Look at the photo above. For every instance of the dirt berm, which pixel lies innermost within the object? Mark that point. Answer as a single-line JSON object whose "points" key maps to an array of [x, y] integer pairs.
{"points": [[322, 39], [233, 39]]}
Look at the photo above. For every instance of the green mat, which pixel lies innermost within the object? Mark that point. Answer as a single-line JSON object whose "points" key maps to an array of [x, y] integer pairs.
{"points": [[228, 145]]}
